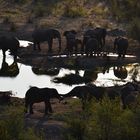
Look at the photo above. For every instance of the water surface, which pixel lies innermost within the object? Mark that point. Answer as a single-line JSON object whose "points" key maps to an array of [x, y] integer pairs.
{"points": [[26, 78]]}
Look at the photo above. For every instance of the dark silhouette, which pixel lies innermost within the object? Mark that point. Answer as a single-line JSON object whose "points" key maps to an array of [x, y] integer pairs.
{"points": [[91, 46], [9, 43], [44, 71], [41, 35], [121, 45], [120, 72], [35, 94], [129, 91], [87, 92], [97, 33], [72, 42], [9, 70], [5, 97]]}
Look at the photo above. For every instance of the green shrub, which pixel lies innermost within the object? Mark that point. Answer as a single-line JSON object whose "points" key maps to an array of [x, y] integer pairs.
{"points": [[105, 120], [39, 10], [7, 20], [74, 8], [134, 28], [12, 126]]}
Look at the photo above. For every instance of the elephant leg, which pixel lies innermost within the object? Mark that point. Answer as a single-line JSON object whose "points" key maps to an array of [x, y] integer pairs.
{"points": [[4, 55], [48, 107], [76, 49], [50, 42], [31, 108], [38, 45], [34, 46]]}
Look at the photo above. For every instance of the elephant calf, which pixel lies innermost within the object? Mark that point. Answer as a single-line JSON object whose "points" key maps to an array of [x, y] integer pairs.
{"points": [[72, 42], [35, 95]]}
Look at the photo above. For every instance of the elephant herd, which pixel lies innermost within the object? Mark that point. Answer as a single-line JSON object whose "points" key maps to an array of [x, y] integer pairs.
{"points": [[128, 94], [93, 42]]}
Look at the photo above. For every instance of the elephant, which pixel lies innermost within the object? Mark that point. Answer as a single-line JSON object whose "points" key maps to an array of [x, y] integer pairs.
{"points": [[97, 33], [9, 43], [120, 72], [127, 91], [72, 42], [85, 93], [35, 95], [121, 45], [42, 35], [92, 46]]}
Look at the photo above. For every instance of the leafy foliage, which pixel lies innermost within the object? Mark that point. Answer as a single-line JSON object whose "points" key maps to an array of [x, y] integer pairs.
{"points": [[104, 120], [12, 126]]}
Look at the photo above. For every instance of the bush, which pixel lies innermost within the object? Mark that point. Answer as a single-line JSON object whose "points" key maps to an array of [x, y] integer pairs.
{"points": [[74, 8], [12, 126], [134, 28], [105, 120]]}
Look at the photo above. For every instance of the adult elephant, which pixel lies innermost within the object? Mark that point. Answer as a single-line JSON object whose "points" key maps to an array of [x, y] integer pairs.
{"points": [[121, 46], [86, 93], [35, 94], [9, 43], [97, 33], [72, 42], [42, 35]]}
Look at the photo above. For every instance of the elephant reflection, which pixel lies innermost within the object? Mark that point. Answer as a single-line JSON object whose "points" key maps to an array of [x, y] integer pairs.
{"points": [[76, 78], [90, 75], [51, 71], [120, 72], [9, 70], [121, 46], [9, 43], [41, 35], [72, 43]]}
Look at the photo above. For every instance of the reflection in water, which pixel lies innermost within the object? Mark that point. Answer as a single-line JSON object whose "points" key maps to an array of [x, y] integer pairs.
{"points": [[42, 71], [120, 72], [11, 70], [103, 76], [89, 75]]}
